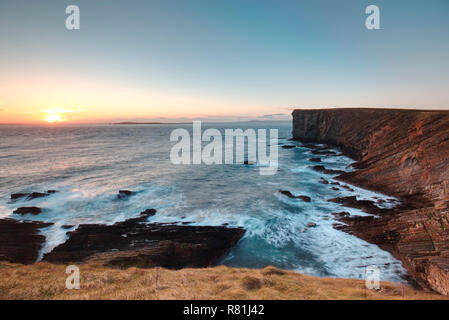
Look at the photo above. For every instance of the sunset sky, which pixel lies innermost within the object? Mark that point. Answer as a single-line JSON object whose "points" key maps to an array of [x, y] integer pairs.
{"points": [[174, 60]]}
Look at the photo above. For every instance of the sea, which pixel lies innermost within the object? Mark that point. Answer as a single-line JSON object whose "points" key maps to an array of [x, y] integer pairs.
{"points": [[89, 164]]}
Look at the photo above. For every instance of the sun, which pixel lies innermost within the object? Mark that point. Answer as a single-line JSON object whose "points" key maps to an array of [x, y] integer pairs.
{"points": [[53, 118], [54, 115]]}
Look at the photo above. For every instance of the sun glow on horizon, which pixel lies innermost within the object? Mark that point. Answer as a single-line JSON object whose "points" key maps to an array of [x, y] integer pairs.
{"points": [[52, 118], [55, 115]]}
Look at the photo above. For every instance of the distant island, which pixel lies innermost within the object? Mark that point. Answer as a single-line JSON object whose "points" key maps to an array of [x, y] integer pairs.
{"points": [[137, 123], [204, 121]]}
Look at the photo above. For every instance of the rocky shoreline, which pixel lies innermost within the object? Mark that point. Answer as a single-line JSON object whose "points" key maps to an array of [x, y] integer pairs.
{"points": [[21, 241], [403, 153], [130, 243], [135, 243]]}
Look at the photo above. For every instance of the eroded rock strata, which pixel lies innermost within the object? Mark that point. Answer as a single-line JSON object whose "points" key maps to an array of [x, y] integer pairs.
{"points": [[404, 153], [136, 243]]}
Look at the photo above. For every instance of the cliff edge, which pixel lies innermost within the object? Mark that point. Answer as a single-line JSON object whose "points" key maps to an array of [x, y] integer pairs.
{"points": [[404, 153]]}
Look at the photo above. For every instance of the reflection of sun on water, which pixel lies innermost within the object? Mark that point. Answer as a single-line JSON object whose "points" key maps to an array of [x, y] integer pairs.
{"points": [[54, 115]]}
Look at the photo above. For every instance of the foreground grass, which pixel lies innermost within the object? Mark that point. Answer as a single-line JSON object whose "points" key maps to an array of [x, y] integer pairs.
{"points": [[47, 281]]}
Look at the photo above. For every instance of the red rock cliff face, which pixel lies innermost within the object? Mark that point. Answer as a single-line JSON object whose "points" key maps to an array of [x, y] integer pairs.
{"points": [[399, 152], [403, 153]]}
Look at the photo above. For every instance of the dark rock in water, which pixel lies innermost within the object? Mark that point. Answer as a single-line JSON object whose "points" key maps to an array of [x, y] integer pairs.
{"points": [[315, 159], [322, 169], [310, 145], [340, 214], [290, 195], [311, 225], [135, 243], [67, 226], [365, 205], [20, 241], [249, 163], [148, 213], [35, 195], [304, 198], [124, 194], [16, 196], [28, 210], [324, 152], [31, 196], [287, 193], [335, 189], [288, 146], [335, 183], [348, 188], [143, 216], [323, 181], [319, 149]]}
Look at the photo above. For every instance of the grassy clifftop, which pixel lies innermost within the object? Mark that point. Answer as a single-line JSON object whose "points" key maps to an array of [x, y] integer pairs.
{"points": [[47, 281]]}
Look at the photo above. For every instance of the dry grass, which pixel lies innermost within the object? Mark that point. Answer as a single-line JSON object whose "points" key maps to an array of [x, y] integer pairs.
{"points": [[47, 281]]}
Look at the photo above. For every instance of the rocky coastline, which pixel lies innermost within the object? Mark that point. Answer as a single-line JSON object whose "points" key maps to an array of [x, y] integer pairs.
{"points": [[135, 243], [130, 243], [403, 153]]}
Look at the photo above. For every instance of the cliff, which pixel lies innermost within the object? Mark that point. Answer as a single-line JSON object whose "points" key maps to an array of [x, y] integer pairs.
{"points": [[404, 153]]}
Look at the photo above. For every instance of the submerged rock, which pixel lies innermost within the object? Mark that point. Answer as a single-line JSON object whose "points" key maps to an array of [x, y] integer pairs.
{"points": [[304, 198], [367, 206], [288, 146], [342, 214], [28, 210], [319, 149], [122, 194], [32, 195], [347, 188], [20, 241], [315, 159], [290, 195], [322, 169], [35, 195], [16, 196], [136, 243], [324, 152]]}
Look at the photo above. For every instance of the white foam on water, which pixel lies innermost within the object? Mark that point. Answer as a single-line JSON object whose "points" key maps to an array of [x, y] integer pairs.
{"points": [[276, 226], [71, 206]]}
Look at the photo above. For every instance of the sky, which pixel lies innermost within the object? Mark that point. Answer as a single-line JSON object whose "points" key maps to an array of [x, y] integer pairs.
{"points": [[173, 60]]}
